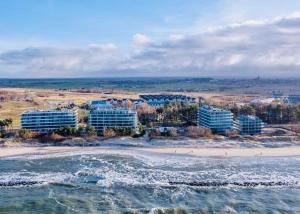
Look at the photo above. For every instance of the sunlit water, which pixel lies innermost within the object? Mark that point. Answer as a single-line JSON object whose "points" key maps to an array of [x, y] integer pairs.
{"points": [[149, 184]]}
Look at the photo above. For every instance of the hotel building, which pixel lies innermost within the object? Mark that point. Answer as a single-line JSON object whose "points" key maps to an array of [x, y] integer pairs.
{"points": [[250, 125], [102, 118], [48, 120], [218, 120]]}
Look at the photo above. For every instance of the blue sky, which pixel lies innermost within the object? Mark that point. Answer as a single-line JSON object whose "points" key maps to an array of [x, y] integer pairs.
{"points": [[78, 22], [57, 38]]}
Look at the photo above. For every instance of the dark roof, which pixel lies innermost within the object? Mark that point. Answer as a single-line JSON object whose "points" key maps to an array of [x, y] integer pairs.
{"points": [[165, 96]]}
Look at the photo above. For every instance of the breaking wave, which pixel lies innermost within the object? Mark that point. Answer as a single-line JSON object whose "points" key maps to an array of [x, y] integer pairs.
{"points": [[151, 183]]}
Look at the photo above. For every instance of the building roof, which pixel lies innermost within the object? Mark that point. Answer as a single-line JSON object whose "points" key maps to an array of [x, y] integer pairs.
{"points": [[113, 109], [49, 111], [248, 117], [214, 109], [165, 96]]}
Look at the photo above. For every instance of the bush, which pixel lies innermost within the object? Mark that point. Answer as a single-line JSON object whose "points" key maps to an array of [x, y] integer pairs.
{"points": [[173, 132], [53, 137], [231, 133], [26, 134], [109, 133], [154, 133], [195, 132], [56, 137], [122, 131], [67, 131], [2, 133], [90, 131]]}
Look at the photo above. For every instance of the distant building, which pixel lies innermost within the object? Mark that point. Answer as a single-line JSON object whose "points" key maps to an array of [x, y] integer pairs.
{"points": [[48, 120], [257, 102], [158, 100], [116, 103], [277, 95], [136, 102], [99, 104], [113, 118], [218, 120], [293, 99], [56, 103], [250, 125]]}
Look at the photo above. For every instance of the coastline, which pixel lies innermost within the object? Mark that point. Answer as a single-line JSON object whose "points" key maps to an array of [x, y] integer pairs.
{"points": [[191, 151]]}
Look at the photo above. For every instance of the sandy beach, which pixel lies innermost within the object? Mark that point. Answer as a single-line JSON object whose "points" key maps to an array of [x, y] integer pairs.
{"points": [[200, 152]]}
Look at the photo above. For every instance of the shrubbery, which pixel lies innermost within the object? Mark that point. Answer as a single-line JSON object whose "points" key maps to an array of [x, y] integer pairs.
{"points": [[67, 131], [195, 132], [109, 133], [26, 134], [90, 131], [113, 132], [154, 133]]}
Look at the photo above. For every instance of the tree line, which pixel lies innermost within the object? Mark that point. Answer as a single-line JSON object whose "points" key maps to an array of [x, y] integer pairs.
{"points": [[271, 114]]}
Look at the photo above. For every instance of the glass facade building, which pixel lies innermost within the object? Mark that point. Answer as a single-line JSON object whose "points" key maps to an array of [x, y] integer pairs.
{"points": [[48, 120], [102, 118], [250, 125], [218, 120]]}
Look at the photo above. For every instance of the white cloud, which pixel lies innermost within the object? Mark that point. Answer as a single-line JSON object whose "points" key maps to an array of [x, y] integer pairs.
{"points": [[108, 47], [267, 48], [176, 37], [141, 39], [244, 49]]}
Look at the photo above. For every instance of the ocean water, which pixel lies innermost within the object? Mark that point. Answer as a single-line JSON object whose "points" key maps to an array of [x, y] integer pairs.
{"points": [[148, 183]]}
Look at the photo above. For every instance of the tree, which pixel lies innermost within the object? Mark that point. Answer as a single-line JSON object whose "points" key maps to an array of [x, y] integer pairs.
{"points": [[90, 131], [4, 124], [9, 122], [247, 110], [147, 114]]}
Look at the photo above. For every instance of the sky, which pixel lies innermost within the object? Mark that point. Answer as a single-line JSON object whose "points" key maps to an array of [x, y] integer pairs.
{"points": [[124, 38]]}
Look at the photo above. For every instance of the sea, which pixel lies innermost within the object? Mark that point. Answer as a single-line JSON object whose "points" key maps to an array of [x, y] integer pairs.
{"points": [[148, 183]]}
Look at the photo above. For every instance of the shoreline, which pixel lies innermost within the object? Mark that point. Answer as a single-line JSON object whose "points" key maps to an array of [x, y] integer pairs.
{"points": [[190, 151]]}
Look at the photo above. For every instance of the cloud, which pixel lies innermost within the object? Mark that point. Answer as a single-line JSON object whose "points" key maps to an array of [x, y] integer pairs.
{"points": [[62, 62], [141, 39], [108, 47], [268, 48], [176, 37]]}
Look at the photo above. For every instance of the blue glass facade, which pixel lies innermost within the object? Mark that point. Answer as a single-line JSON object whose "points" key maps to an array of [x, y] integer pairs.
{"points": [[218, 120], [250, 125], [113, 118], [44, 121]]}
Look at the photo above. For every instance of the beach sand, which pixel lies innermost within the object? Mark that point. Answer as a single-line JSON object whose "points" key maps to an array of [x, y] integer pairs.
{"points": [[200, 152]]}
